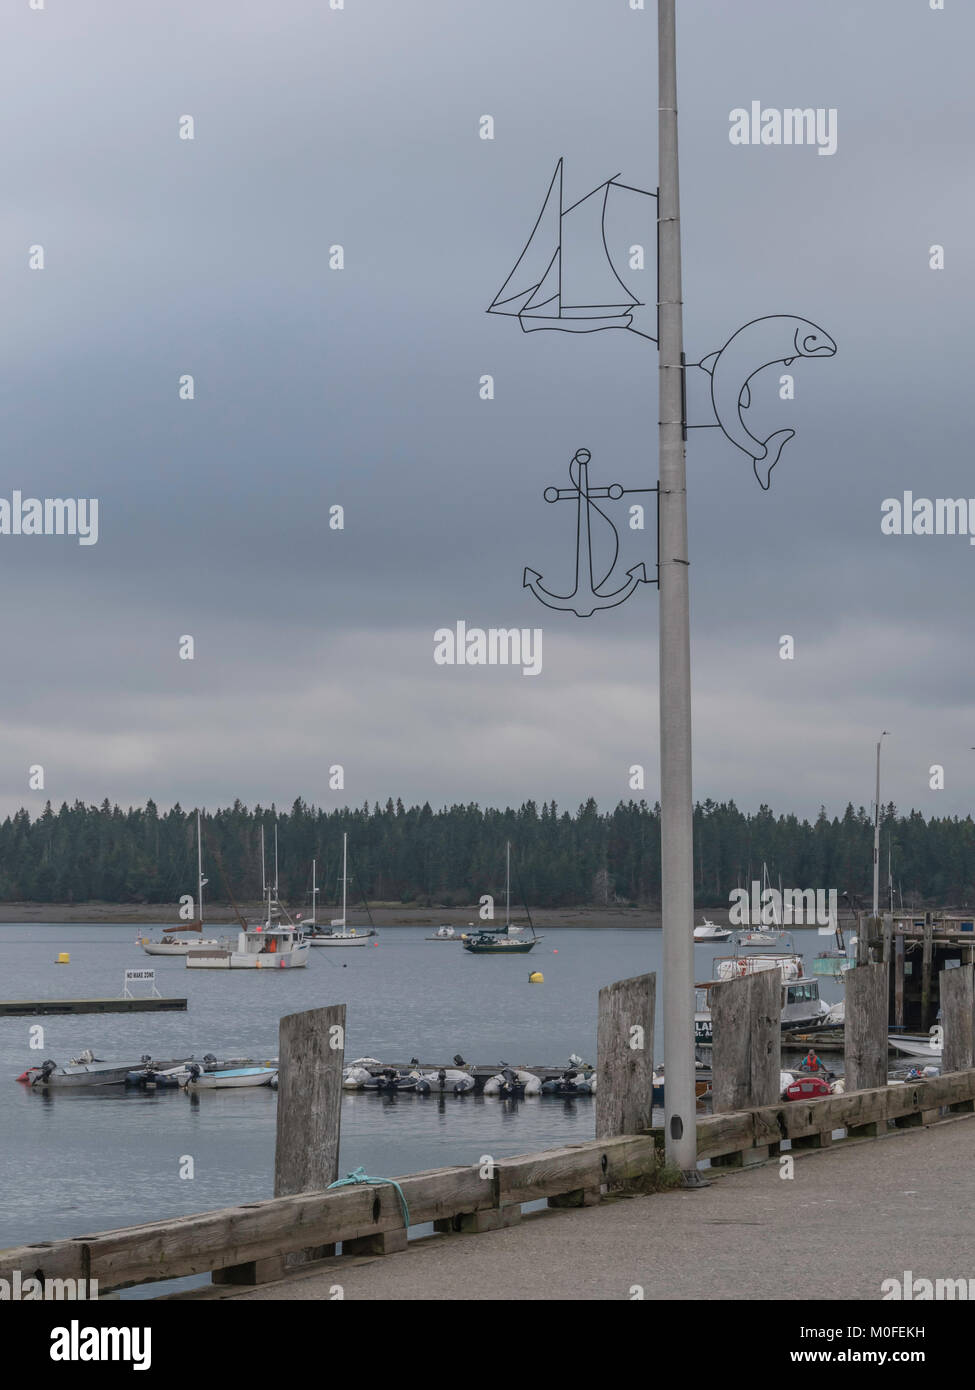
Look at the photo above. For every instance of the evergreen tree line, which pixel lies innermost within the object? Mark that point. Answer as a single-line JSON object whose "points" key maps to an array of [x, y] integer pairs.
{"points": [[452, 856]]}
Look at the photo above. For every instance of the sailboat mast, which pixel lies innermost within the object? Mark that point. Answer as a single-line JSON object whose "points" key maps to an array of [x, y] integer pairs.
{"points": [[199, 869], [345, 876], [275, 864], [314, 893], [263, 873], [507, 887]]}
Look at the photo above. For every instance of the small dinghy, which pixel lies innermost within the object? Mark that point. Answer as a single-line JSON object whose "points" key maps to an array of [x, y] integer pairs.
{"points": [[390, 1080], [570, 1083], [446, 1081], [200, 1080], [513, 1083]]}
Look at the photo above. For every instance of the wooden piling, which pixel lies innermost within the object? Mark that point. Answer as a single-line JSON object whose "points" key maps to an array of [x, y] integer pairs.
{"points": [[746, 1016], [624, 1056], [926, 974], [865, 1040], [311, 1048], [899, 980], [958, 1018]]}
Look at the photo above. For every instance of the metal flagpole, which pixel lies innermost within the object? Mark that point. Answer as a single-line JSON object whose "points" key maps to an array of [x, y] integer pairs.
{"points": [[677, 822]]}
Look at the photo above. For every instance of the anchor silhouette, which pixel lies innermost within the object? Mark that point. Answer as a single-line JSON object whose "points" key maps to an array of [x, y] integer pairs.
{"points": [[588, 595]]}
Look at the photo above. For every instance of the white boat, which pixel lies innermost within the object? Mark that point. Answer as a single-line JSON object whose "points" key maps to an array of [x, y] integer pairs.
{"points": [[258, 948], [801, 1004], [199, 1080], [170, 945], [710, 931], [446, 1081], [85, 1071], [341, 934], [919, 1045], [513, 1081], [443, 934], [758, 938]]}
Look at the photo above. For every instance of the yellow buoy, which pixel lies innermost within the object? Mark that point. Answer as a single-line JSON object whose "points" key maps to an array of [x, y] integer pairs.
{"points": [[536, 978], [63, 958]]}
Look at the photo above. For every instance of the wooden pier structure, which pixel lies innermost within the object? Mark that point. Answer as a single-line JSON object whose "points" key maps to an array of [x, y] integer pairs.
{"points": [[37, 1008], [256, 1242]]}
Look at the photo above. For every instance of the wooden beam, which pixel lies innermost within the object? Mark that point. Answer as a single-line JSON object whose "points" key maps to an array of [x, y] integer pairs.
{"points": [[865, 1032], [899, 980], [311, 1046], [746, 1018], [926, 977], [957, 989], [624, 1056]]}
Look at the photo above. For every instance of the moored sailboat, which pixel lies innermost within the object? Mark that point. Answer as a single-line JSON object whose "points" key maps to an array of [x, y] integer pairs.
{"points": [[169, 945]]}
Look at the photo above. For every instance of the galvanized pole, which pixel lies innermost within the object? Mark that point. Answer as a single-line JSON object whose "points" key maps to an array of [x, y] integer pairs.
{"points": [[677, 823], [876, 836]]}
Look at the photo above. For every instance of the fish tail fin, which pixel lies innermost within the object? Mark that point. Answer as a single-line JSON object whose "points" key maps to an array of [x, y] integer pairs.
{"points": [[773, 449]]}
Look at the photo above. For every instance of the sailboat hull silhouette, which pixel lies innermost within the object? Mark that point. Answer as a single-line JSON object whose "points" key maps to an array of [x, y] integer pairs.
{"points": [[558, 282]]}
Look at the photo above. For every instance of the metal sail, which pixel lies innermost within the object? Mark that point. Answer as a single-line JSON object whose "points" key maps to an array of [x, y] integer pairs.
{"points": [[535, 263], [590, 286]]}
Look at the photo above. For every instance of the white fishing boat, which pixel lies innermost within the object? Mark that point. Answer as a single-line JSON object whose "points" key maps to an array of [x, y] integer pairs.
{"points": [[170, 945], [444, 934], [258, 948], [200, 1080], [802, 1007], [710, 931], [340, 934]]}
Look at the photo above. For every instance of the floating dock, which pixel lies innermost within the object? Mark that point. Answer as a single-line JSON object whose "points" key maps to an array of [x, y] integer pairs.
{"points": [[36, 1007]]}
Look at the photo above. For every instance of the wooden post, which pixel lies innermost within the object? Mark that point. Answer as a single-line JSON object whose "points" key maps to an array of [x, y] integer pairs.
{"points": [[888, 929], [926, 975], [899, 979], [311, 1047], [865, 1031], [958, 1018], [624, 1056], [746, 1021]]}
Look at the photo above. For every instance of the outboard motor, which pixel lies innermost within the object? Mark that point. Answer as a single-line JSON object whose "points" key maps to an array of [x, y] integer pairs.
{"points": [[194, 1069], [458, 1060], [45, 1071], [209, 1062], [510, 1085], [386, 1081]]}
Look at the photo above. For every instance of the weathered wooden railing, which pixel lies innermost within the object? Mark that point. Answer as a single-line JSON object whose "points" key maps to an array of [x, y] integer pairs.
{"points": [[758, 1132], [472, 1198]]}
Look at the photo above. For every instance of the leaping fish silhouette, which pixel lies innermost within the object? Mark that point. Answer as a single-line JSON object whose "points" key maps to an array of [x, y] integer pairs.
{"points": [[776, 338]]}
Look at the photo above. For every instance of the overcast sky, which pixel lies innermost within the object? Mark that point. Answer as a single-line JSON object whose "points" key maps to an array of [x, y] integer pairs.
{"points": [[359, 387]]}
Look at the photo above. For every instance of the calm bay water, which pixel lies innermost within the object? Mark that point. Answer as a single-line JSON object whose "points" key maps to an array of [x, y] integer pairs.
{"points": [[72, 1164]]}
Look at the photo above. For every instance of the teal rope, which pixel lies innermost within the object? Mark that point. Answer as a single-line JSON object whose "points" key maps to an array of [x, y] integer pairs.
{"points": [[361, 1176]]}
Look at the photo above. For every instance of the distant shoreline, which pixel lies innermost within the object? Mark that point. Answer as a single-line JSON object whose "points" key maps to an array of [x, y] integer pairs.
{"points": [[386, 916]]}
